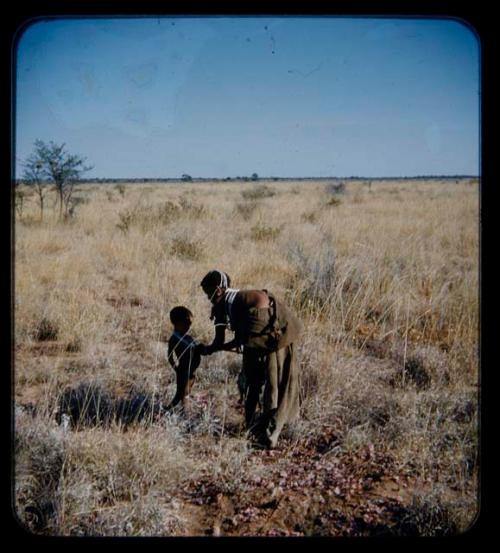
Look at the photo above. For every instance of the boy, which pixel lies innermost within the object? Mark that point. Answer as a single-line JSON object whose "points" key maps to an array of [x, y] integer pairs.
{"points": [[183, 355]]}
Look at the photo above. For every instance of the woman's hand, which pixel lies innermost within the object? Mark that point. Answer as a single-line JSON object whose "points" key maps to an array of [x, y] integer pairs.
{"points": [[202, 349]]}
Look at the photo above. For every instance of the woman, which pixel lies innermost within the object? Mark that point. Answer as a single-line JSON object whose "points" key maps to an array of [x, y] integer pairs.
{"points": [[267, 331]]}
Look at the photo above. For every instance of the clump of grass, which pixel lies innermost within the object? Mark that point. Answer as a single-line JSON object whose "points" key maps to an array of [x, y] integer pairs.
{"points": [[424, 517], [192, 209], [98, 481], [187, 249], [80, 200], [147, 216], [413, 373], [258, 192], [335, 188], [263, 232], [310, 217], [126, 217], [121, 189], [231, 464], [74, 345], [167, 212], [46, 330], [39, 451], [314, 274], [151, 516], [333, 202], [247, 209], [419, 365]]}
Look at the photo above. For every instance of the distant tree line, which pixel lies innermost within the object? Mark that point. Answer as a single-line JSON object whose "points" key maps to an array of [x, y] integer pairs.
{"points": [[254, 177]]}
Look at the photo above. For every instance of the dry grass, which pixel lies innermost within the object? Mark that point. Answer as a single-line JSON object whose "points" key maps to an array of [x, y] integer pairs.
{"points": [[386, 280]]}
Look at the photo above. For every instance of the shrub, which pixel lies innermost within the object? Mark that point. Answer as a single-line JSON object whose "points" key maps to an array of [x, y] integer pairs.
{"points": [[246, 209], [74, 346], [167, 212], [423, 517], [310, 217], [146, 216], [191, 209], [258, 192], [335, 188], [315, 273], [263, 232], [125, 220], [46, 330], [186, 249], [333, 202], [39, 453]]}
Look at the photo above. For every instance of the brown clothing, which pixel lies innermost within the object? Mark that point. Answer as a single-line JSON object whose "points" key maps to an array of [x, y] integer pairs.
{"points": [[268, 337]]}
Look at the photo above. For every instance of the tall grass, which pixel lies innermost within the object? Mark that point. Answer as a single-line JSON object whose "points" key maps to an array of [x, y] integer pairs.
{"points": [[385, 281]]}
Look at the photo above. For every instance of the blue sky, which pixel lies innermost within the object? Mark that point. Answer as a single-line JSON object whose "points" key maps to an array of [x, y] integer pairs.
{"points": [[230, 96]]}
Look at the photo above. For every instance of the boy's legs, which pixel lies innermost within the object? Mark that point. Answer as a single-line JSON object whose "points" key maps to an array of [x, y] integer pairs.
{"points": [[182, 383]]}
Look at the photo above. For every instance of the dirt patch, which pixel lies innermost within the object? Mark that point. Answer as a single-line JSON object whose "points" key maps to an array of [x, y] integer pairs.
{"points": [[305, 490]]}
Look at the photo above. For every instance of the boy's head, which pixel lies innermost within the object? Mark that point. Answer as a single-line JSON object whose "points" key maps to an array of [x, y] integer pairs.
{"points": [[181, 318]]}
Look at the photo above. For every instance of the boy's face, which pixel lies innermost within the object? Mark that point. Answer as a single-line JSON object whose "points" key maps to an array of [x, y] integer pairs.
{"points": [[183, 326]]}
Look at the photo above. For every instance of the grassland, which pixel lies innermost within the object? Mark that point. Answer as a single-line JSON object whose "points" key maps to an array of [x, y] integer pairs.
{"points": [[385, 278]]}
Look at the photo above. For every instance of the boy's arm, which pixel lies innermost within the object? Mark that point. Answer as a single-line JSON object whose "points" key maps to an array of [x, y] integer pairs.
{"points": [[170, 353]]}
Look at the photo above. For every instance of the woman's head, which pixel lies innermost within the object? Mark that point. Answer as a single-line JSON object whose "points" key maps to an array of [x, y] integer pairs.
{"points": [[214, 284]]}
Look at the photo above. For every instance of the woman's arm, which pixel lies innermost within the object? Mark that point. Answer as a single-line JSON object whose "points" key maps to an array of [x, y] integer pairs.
{"points": [[251, 298], [218, 341]]}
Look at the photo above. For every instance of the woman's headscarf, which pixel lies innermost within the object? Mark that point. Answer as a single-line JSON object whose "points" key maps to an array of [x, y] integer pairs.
{"points": [[216, 278]]}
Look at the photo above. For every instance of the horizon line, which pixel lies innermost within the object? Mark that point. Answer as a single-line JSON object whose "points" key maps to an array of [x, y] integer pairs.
{"points": [[275, 178]]}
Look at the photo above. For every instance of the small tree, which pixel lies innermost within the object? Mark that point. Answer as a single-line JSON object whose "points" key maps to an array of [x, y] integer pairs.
{"points": [[51, 162], [255, 176], [18, 198], [33, 175], [186, 178]]}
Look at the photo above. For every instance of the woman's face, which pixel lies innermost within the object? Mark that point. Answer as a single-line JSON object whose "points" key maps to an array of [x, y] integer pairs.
{"points": [[214, 293]]}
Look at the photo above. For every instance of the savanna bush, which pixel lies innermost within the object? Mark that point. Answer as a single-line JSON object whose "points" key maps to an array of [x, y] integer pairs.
{"points": [[246, 209], [39, 461], [335, 188], [261, 232], [315, 274], [187, 249], [258, 192], [46, 330]]}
